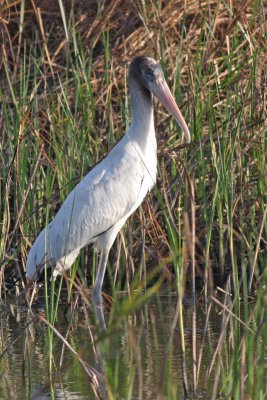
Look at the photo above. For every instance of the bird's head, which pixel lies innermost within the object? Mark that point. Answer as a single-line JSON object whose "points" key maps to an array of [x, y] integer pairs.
{"points": [[150, 75]]}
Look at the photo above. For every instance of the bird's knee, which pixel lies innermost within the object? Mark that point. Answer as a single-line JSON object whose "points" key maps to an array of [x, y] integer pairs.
{"points": [[97, 297]]}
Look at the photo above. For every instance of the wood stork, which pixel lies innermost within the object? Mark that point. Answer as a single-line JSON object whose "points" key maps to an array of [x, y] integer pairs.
{"points": [[99, 205]]}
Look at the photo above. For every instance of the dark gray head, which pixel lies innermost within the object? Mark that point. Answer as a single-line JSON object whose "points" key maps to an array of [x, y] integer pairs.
{"points": [[146, 73], [145, 70]]}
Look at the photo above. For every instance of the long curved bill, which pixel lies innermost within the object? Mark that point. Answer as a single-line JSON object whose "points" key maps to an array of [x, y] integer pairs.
{"points": [[162, 92]]}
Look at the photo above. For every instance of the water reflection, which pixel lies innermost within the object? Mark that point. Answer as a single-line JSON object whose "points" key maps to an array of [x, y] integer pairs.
{"points": [[136, 356]]}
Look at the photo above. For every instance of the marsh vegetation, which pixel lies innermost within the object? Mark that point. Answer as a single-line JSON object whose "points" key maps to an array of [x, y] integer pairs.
{"points": [[185, 293]]}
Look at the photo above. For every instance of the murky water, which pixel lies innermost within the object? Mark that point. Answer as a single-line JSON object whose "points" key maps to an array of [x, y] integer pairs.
{"points": [[138, 361]]}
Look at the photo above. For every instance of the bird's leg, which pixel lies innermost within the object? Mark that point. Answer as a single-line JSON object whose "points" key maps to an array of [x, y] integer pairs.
{"points": [[96, 294]]}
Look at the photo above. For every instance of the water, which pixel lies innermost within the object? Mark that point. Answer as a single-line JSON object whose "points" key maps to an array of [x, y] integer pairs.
{"points": [[136, 357]]}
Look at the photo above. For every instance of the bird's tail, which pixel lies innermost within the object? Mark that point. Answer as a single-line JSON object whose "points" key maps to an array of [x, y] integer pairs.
{"points": [[36, 257]]}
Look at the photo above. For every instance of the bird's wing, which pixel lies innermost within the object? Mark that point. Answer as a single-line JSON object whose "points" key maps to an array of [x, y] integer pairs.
{"points": [[101, 199]]}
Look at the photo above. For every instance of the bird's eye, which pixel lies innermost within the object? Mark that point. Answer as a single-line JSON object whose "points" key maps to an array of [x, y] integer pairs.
{"points": [[150, 74]]}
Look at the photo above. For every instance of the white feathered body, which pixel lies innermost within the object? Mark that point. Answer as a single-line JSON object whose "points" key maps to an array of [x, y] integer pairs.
{"points": [[99, 205]]}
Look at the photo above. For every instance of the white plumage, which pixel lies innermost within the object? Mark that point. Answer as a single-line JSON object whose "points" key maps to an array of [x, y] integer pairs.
{"points": [[95, 210], [99, 205]]}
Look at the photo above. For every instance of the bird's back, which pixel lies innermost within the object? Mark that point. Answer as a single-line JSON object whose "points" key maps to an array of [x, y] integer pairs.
{"points": [[110, 191]]}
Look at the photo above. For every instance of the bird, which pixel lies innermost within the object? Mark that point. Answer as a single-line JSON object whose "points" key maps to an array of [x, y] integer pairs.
{"points": [[97, 208]]}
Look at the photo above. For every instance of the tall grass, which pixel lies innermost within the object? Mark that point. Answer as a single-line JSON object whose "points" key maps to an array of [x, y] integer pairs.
{"points": [[64, 104]]}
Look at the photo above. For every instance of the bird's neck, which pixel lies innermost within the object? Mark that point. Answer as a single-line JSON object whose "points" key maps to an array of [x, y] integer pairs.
{"points": [[142, 128]]}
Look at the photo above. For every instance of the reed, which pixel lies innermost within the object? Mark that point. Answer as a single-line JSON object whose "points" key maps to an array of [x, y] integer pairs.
{"points": [[64, 104]]}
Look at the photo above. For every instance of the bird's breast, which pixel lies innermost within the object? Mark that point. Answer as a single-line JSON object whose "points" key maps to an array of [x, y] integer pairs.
{"points": [[150, 165]]}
